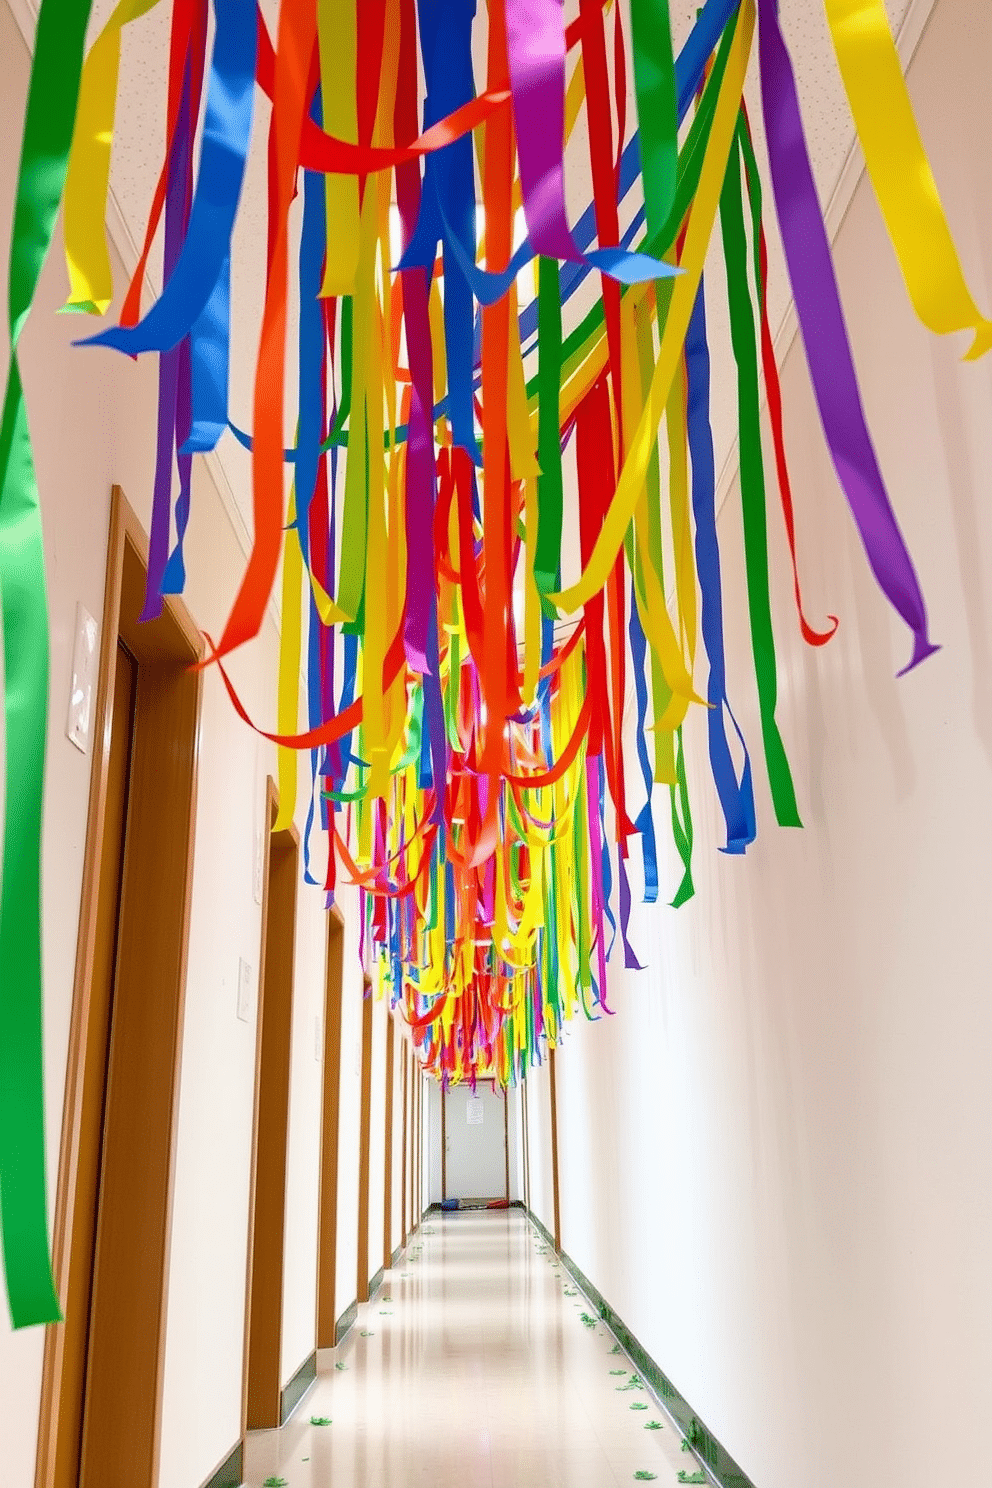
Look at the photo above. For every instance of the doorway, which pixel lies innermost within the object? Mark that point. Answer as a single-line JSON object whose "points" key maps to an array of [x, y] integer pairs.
{"points": [[103, 1365], [474, 1133], [267, 1231], [327, 1235], [364, 1147]]}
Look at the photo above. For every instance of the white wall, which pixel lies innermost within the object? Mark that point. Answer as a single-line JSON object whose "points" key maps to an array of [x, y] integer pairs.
{"points": [[775, 1160], [432, 1143], [515, 1143], [537, 1093]]}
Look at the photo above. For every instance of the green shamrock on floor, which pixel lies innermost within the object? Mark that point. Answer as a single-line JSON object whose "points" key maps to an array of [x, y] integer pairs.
{"points": [[320, 1420], [590, 1322], [276, 1483], [616, 1349], [639, 1405], [339, 1365], [653, 1426], [644, 1477], [699, 1477], [618, 1371]]}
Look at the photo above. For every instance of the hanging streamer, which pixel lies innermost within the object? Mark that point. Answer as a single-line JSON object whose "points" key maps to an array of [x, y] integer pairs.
{"points": [[499, 515]]}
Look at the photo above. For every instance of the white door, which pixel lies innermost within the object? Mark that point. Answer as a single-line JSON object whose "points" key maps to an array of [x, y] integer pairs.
{"points": [[475, 1130]]}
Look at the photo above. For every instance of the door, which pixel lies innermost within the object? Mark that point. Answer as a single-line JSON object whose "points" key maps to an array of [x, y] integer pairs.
{"points": [[103, 1365], [263, 1312], [475, 1142], [327, 1238]]}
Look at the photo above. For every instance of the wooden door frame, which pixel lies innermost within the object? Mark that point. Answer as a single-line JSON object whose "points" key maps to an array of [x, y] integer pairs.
{"points": [[553, 1083], [173, 639], [419, 1207], [364, 1146], [525, 1122], [387, 1161], [327, 1193], [444, 1143], [405, 1141], [267, 1414]]}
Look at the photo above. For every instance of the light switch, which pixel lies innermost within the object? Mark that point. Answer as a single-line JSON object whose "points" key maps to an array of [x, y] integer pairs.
{"points": [[244, 990], [84, 672]]}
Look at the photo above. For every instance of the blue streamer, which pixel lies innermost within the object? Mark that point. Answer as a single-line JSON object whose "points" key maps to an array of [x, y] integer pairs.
{"points": [[736, 796], [211, 355], [226, 135], [645, 818]]}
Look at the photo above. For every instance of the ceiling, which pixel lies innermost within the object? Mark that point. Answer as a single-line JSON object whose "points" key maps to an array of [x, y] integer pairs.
{"points": [[138, 148]]}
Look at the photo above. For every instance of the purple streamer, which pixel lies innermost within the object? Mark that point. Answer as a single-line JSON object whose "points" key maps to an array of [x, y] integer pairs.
{"points": [[535, 31], [828, 350], [176, 216], [630, 960]]}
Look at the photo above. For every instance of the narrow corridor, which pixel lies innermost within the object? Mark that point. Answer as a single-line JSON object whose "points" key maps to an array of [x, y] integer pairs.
{"points": [[474, 1365]]}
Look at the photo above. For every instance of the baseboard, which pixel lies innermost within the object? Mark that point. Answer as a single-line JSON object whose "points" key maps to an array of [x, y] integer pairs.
{"points": [[376, 1282], [712, 1455], [345, 1323], [395, 1257], [230, 1474], [298, 1386]]}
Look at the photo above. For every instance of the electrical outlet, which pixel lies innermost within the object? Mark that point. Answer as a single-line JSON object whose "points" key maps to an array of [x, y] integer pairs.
{"points": [[244, 990]]}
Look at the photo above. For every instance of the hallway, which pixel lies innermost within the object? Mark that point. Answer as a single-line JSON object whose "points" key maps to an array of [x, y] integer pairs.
{"points": [[472, 1366]]}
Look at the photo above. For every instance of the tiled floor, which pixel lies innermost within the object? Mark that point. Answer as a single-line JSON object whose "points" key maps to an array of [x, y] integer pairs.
{"points": [[473, 1366]]}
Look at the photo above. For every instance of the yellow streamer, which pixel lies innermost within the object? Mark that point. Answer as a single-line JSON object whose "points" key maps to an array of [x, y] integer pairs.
{"points": [[337, 35], [900, 171], [91, 284]]}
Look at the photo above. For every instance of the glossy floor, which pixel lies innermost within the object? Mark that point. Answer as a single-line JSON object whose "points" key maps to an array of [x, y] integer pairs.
{"points": [[473, 1366]]}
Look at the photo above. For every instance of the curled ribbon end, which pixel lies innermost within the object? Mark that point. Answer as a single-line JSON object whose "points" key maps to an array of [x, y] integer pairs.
{"points": [[982, 342], [923, 648], [85, 307]]}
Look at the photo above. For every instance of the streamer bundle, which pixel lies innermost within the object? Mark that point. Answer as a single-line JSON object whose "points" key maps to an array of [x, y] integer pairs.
{"points": [[464, 706]]}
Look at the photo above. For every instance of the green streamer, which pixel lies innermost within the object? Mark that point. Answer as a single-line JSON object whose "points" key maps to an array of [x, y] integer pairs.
{"points": [[682, 826], [753, 491], [354, 527], [547, 557], [48, 126], [657, 105]]}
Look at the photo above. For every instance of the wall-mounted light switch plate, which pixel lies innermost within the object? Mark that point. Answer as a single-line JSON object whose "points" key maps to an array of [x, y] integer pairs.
{"points": [[244, 990], [85, 663]]}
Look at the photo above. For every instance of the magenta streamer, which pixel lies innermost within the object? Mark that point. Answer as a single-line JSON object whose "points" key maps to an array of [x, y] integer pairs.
{"points": [[596, 872], [828, 350], [535, 31]]}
